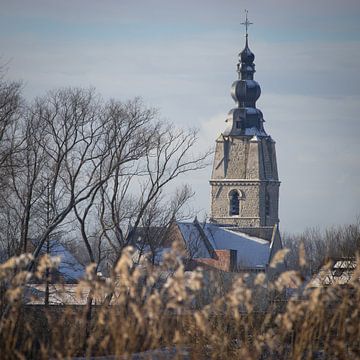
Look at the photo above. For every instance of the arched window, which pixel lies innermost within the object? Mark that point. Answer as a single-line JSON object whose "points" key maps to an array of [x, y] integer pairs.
{"points": [[234, 202]]}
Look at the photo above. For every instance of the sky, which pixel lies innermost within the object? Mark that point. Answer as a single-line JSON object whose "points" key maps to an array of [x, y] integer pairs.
{"points": [[180, 57]]}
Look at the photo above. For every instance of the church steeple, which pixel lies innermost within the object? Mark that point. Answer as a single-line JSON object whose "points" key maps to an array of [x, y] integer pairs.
{"points": [[246, 119], [244, 181]]}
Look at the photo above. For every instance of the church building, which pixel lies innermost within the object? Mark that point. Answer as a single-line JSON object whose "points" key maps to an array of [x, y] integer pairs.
{"points": [[242, 233]]}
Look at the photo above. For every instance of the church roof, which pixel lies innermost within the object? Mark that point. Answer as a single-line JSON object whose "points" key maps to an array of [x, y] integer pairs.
{"points": [[252, 252]]}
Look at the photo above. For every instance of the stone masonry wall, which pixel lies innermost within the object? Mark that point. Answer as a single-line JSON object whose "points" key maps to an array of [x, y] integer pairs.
{"points": [[237, 159], [249, 203], [218, 164], [249, 166]]}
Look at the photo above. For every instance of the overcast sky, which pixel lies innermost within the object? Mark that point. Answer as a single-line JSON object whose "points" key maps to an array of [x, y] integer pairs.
{"points": [[181, 56]]}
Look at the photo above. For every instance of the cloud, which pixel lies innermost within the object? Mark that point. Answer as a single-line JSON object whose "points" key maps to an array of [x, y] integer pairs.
{"points": [[182, 59]]}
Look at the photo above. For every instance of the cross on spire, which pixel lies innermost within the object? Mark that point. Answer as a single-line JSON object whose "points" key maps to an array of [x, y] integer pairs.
{"points": [[246, 23]]}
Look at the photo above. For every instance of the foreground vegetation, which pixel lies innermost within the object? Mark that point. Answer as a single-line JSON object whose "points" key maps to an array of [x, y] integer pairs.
{"points": [[206, 315]]}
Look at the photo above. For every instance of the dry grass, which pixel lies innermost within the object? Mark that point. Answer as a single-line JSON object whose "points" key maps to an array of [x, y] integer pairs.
{"points": [[212, 315]]}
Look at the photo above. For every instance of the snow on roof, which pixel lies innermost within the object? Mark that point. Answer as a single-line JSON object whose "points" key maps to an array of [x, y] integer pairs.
{"points": [[345, 264], [59, 294], [193, 240], [255, 131], [69, 267], [251, 251]]}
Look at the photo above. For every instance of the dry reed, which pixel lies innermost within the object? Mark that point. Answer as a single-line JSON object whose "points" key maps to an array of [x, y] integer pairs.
{"points": [[209, 315]]}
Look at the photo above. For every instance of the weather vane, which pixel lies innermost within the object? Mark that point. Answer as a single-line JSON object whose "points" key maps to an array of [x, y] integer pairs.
{"points": [[246, 23]]}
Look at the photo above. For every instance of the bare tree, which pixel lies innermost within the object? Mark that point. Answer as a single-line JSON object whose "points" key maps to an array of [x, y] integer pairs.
{"points": [[10, 111], [149, 155], [334, 243], [126, 205], [26, 166], [11, 108], [77, 161], [155, 232], [104, 164]]}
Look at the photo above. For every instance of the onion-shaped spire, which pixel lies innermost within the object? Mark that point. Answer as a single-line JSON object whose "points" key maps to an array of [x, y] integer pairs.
{"points": [[246, 119], [246, 66]]}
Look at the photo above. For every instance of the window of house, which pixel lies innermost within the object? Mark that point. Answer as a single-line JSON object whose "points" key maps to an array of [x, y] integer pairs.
{"points": [[234, 203], [238, 125]]}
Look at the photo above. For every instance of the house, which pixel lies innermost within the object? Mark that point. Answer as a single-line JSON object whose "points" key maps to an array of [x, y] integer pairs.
{"points": [[229, 248], [339, 273]]}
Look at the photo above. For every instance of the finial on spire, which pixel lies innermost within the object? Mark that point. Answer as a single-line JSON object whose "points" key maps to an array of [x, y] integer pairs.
{"points": [[246, 23]]}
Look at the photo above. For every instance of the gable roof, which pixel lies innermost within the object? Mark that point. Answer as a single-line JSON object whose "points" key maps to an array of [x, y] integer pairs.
{"points": [[69, 267], [194, 240], [252, 251]]}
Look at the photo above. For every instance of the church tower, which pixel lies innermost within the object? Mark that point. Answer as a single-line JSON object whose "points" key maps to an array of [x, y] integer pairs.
{"points": [[244, 181]]}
